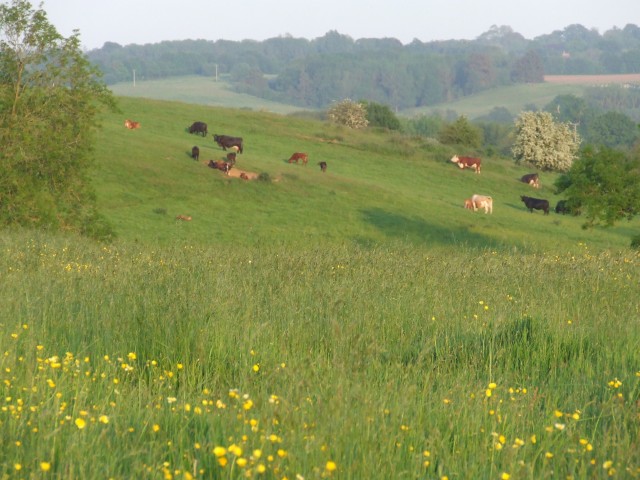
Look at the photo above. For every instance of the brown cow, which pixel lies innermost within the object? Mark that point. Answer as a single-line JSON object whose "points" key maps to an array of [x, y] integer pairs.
{"points": [[468, 204], [186, 218], [467, 162], [131, 125], [244, 176], [323, 166], [231, 158], [299, 156], [220, 165]]}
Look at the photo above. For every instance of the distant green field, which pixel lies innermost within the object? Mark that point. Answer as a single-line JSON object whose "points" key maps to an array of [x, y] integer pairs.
{"points": [[206, 91], [199, 90], [514, 98]]}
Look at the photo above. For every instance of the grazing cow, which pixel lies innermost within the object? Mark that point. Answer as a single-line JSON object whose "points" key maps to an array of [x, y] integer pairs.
{"points": [[537, 203], [231, 158], [220, 165], [467, 162], [195, 153], [468, 204], [131, 125], [561, 207], [532, 179], [225, 141], [186, 218], [482, 201], [198, 127], [323, 166], [299, 156]]}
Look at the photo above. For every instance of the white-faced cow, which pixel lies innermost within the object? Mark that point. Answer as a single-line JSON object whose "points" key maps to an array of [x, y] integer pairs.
{"points": [[131, 125], [467, 162], [482, 201]]}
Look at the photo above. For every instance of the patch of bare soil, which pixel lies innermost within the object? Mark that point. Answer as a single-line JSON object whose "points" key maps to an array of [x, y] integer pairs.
{"points": [[621, 79]]}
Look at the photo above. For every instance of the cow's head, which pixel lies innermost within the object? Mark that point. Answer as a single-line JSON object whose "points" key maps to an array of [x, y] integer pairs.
{"points": [[455, 159]]}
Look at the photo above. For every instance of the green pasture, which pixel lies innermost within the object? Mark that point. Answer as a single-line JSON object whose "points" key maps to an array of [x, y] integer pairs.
{"points": [[354, 324], [379, 186], [199, 90], [514, 98], [207, 91]]}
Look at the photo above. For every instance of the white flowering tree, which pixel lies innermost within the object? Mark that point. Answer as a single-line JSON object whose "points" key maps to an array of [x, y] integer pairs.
{"points": [[349, 113], [543, 143]]}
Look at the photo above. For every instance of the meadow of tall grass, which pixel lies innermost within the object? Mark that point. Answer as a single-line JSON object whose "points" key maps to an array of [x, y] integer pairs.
{"points": [[384, 361]]}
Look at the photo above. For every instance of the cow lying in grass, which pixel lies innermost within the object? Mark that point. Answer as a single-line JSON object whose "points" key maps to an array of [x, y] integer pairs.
{"points": [[131, 125]]}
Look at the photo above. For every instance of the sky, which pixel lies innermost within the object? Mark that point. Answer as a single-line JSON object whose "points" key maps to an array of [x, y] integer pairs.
{"points": [[151, 21]]}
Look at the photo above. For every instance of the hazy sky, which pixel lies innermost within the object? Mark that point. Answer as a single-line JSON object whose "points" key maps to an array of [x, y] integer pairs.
{"points": [[151, 21]]}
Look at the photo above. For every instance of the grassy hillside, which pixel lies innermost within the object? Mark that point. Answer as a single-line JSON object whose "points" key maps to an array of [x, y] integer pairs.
{"points": [[357, 324], [379, 187]]}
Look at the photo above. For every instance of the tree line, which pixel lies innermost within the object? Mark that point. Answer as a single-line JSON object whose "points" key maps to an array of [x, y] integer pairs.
{"points": [[313, 73]]}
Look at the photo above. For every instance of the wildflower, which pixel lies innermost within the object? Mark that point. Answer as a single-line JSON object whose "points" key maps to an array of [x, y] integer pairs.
{"points": [[103, 419], [156, 427], [261, 468], [548, 455], [17, 466], [331, 466], [282, 453], [241, 462], [559, 426], [256, 367], [45, 466], [219, 451], [505, 476], [80, 423], [607, 465], [558, 413], [132, 356]]}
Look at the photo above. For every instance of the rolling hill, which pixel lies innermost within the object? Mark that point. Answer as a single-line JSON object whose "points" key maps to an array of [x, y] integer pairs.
{"points": [[380, 187]]}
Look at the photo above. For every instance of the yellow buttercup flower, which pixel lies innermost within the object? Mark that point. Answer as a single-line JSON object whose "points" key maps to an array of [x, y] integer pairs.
{"points": [[80, 423], [331, 466], [45, 466]]}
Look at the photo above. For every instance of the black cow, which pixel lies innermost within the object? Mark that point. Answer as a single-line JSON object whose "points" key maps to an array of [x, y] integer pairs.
{"points": [[537, 203], [323, 166], [198, 127], [531, 179], [195, 153], [561, 207], [225, 141]]}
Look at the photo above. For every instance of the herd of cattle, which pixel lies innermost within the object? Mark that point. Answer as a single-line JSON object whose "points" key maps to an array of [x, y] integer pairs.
{"points": [[476, 202], [485, 202], [235, 144]]}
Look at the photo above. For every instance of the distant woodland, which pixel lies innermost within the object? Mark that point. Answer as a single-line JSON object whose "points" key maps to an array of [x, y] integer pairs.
{"points": [[315, 73]]}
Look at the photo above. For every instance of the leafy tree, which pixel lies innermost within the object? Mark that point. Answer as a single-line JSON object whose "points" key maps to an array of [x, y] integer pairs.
{"points": [[544, 143], [528, 69], [612, 129], [461, 132], [348, 113], [605, 184], [49, 98], [379, 115]]}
